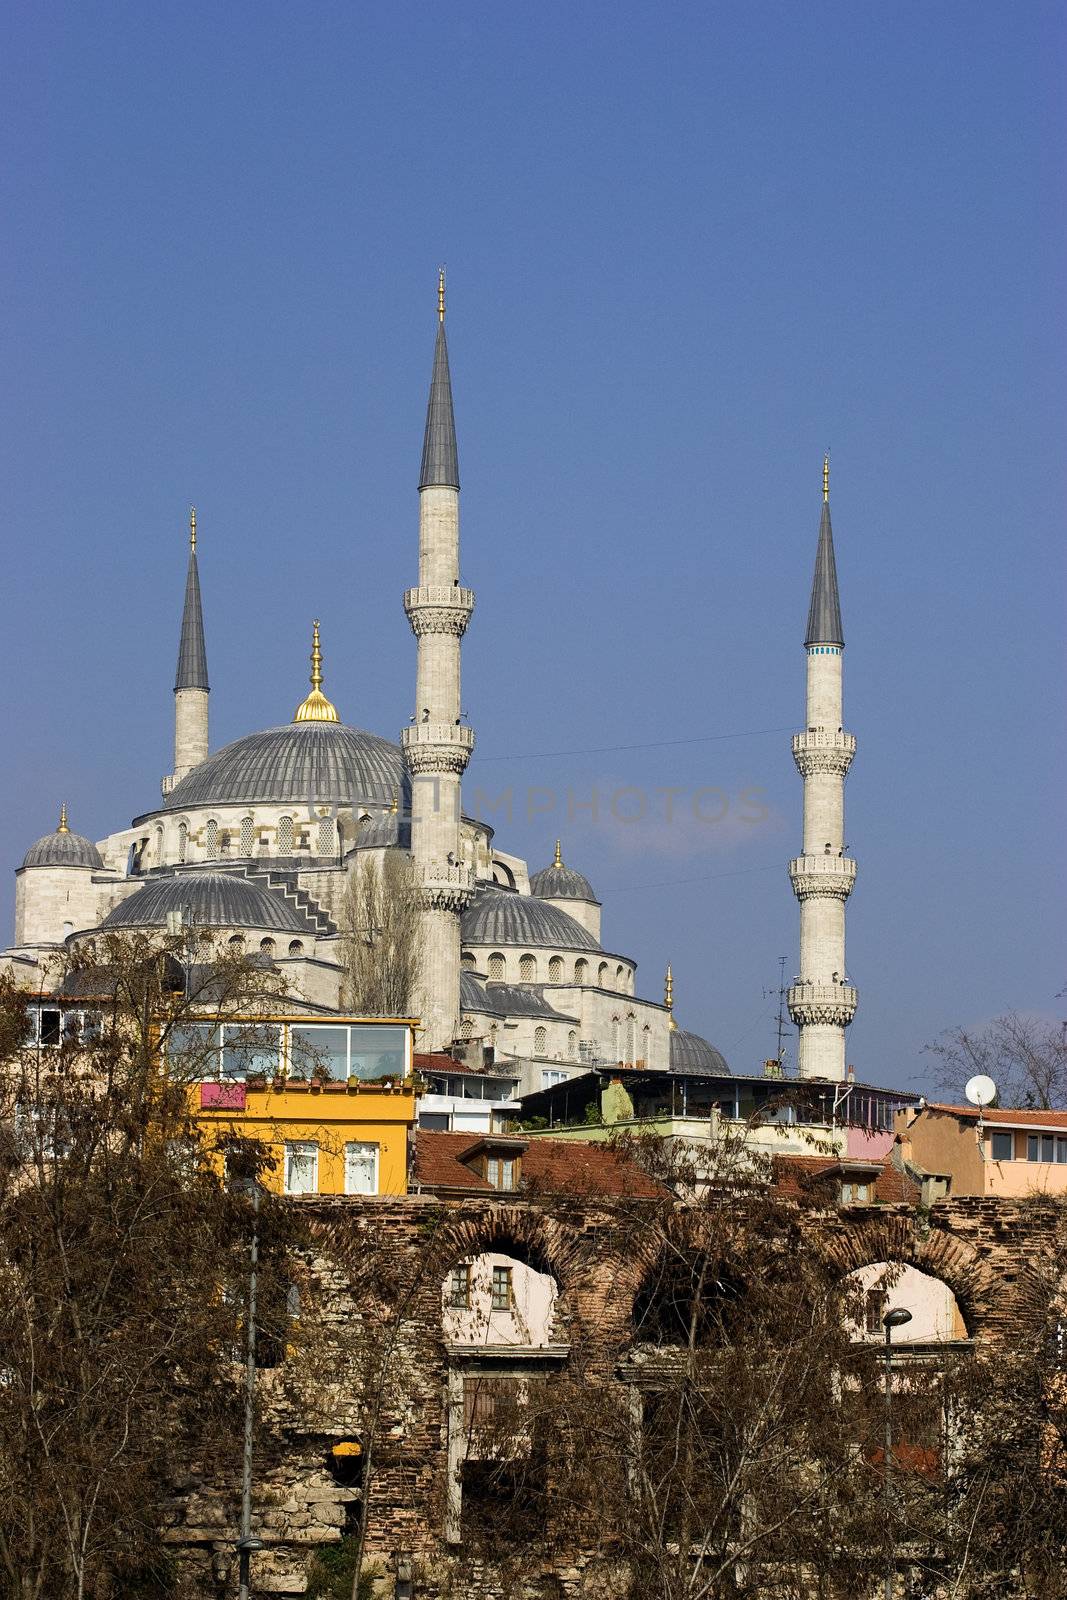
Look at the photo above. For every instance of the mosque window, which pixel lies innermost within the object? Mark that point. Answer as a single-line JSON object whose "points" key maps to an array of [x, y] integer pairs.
{"points": [[572, 1046], [631, 1038], [246, 836], [468, 962], [646, 1044], [602, 975], [616, 1039], [285, 836], [555, 970], [159, 847], [496, 969], [527, 969], [296, 947], [325, 845], [620, 979], [581, 970], [540, 1041], [211, 838], [466, 1029], [267, 946], [237, 941], [183, 840]]}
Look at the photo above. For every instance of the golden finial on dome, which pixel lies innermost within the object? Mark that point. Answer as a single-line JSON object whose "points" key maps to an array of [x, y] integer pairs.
{"points": [[826, 476], [64, 826], [316, 708], [441, 294], [668, 994], [559, 855], [192, 527], [395, 807]]}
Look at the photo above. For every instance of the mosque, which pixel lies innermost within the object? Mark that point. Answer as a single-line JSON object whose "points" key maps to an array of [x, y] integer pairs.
{"points": [[256, 843]]}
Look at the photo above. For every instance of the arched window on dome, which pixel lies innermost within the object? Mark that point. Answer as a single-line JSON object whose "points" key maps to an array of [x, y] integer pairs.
{"points": [[496, 968], [540, 1041], [246, 836], [285, 836], [466, 1029], [159, 847], [211, 838], [616, 1039], [267, 946], [527, 968], [572, 1046], [581, 970], [631, 1038], [555, 970], [602, 976], [183, 841], [237, 941], [468, 962], [620, 979], [296, 947], [326, 842]]}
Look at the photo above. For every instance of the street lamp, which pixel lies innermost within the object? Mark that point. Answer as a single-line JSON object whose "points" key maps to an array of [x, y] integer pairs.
{"points": [[247, 1543], [891, 1320]]}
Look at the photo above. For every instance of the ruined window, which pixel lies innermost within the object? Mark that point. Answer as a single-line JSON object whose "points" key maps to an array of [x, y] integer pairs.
{"points": [[502, 1293], [459, 1288], [50, 1028]]}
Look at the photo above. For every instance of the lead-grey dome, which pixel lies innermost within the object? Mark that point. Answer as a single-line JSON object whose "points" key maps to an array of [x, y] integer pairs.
{"points": [[502, 916], [326, 763], [63, 849], [561, 883], [208, 900], [691, 1053]]}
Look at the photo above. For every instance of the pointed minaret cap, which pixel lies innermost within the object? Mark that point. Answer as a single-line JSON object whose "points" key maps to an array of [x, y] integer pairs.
{"points": [[824, 612], [440, 458], [192, 651], [316, 707], [668, 994]]}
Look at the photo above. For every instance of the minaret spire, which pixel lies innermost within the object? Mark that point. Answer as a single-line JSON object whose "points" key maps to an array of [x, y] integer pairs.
{"points": [[822, 1002], [437, 743], [191, 687]]}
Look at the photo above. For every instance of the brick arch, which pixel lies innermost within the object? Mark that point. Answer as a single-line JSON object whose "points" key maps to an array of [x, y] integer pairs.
{"points": [[894, 1237], [531, 1236]]}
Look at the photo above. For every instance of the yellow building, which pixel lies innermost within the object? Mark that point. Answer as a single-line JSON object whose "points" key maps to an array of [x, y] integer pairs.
{"points": [[331, 1098]]}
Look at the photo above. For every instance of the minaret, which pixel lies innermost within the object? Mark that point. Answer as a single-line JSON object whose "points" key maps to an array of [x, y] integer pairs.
{"points": [[191, 687], [822, 1002], [437, 745]]}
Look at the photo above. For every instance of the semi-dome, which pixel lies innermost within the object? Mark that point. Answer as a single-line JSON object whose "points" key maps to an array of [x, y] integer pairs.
{"points": [[63, 849], [208, 900], [504, 917], [558, 882], [691, 1053], [324, 763]]}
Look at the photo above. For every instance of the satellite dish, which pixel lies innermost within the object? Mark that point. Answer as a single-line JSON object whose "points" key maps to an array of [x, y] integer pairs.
{"points": [[981, 1091]]}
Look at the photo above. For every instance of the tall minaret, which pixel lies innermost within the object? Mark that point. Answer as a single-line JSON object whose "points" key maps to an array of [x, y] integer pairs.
{"points": [[821, 1002], [437, 745], [191, 687]]}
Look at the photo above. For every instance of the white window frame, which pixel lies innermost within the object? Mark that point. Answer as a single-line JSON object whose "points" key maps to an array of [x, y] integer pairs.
{"points": [[302, 1148], [351, 1146]]}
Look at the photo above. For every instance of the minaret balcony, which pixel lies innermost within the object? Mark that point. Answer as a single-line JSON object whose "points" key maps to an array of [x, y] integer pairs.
{"points": [[435, 608], [834, 876], [829, 1003], [819, 750], [431, 747], [443, 885]]}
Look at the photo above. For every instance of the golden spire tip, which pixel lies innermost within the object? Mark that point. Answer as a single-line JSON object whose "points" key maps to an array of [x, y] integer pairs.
{"points": [[559, 855], [826, 476], [441, 294], [316, 708], [64, 826], [192, 527], [668, 994]]}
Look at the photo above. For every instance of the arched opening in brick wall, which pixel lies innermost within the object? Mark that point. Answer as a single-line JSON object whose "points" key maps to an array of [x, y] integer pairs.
{"points": [[688, 1299]]}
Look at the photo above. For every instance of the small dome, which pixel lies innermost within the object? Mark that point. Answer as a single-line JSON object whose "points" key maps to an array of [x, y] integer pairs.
{"points": [[63, 849], [691, 1053], [504, 917], [208, 900], [382, 831], [300, 763], [558, 882]]}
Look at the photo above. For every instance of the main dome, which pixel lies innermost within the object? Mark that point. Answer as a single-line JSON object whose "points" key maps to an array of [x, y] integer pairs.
{"points": [[325, 763], [501, 916]]}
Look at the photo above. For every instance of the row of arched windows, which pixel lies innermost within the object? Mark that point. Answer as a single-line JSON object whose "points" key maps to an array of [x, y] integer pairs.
{"points": [[616, 977], [247, 840]]}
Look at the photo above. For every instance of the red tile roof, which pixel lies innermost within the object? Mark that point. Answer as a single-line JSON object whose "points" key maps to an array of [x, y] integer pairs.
{"points": [[1003, 1116], [439, 1061], [549, 1166], [794, 1177]]}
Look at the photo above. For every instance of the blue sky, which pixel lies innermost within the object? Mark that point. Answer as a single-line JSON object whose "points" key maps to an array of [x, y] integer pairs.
{"points": [[688, 248]]}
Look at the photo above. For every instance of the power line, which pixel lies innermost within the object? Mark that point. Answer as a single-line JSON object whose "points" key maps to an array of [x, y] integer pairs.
{"points": [[655, 744], [676, 883]]}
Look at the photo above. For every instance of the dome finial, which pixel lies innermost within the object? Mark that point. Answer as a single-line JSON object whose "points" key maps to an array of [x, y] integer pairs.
{"points": [[316, 708], [826, 476], [558, 862], [192, 527], [64, 826], [441, 294]]}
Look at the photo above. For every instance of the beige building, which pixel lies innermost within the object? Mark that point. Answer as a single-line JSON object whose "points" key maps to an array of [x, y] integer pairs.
{"points": [[1010, 1154]]}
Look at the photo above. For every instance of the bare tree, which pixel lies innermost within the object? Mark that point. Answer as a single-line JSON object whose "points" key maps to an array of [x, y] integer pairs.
{"points": [[380, 938], [1026, 1057]]}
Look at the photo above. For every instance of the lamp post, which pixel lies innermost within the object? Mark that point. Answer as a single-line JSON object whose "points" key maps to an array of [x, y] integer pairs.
{"points": [[891, 1320]]}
